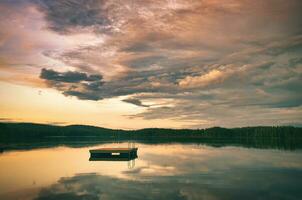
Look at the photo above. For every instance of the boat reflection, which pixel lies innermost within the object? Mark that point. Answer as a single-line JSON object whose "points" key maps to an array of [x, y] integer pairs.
{"points": [[112, 158]]}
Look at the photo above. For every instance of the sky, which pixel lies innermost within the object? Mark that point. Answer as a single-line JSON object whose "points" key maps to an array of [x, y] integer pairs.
{"points": [[134, 64]]}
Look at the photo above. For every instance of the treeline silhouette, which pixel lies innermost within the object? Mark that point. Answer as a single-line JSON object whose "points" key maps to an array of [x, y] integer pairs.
{"points": [[30, 130], [29, 135]]}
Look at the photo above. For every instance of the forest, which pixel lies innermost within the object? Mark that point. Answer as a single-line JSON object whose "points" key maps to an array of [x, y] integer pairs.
{"points": [[16, 131], [22, 136]]}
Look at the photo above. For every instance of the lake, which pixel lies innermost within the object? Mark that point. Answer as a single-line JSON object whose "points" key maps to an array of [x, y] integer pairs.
{"points": [[161, 171]]}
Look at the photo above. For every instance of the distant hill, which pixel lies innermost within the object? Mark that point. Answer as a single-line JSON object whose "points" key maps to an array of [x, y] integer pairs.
{"points": [[24, 136], [31, 130]]}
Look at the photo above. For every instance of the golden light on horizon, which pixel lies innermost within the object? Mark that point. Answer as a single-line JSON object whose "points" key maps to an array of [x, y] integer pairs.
{"points": [[176, 64]]}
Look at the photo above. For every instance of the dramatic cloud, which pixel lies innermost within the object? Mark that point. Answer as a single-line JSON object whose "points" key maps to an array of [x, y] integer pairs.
{"points": [[203, 80], [73, 15], [68, 77], [76, 84], [136, 102], [207, 62]]}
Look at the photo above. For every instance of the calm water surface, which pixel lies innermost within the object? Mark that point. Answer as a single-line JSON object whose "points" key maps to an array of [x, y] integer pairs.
{"points": [[165, 171]]}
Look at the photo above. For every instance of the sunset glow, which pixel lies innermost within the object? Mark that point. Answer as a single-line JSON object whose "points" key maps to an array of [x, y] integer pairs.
{"points": [[151, 63]]}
